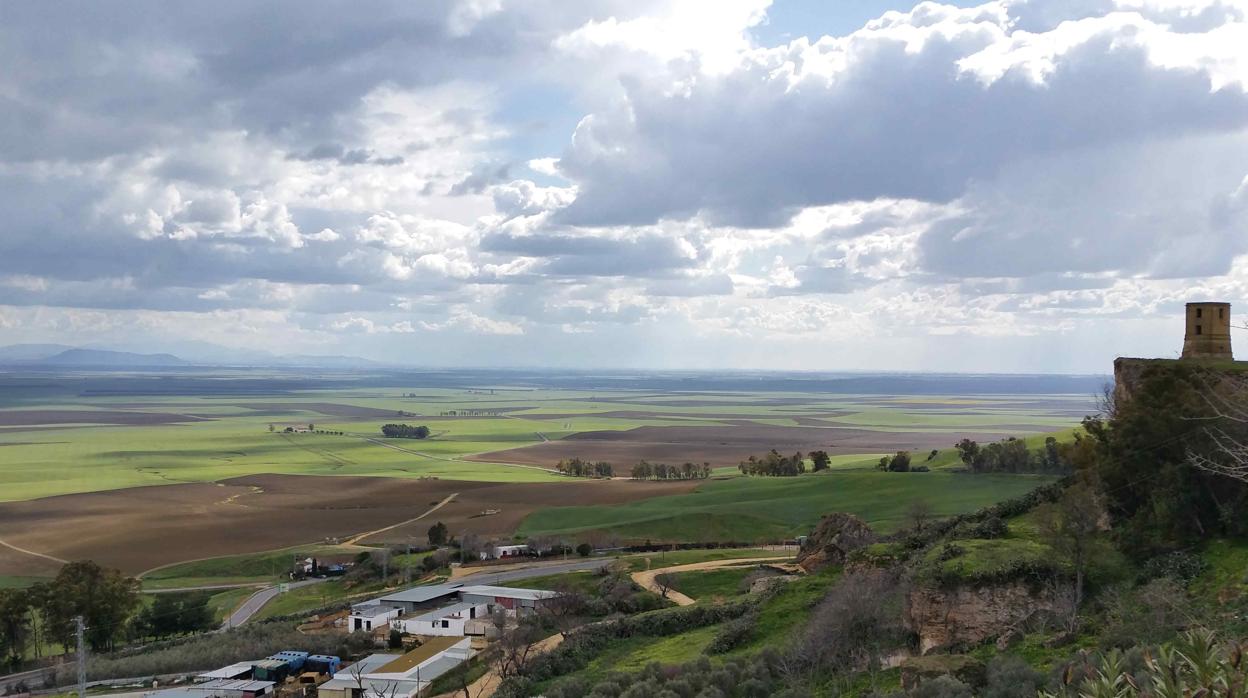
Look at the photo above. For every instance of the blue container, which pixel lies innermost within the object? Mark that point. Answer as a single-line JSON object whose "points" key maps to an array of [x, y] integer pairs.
{"points": [[293, 658], [323, 664]]}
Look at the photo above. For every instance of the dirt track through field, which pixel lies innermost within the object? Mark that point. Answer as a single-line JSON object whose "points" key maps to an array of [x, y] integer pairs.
{"points": [[646, 578], [145, 528], [356, 539]]}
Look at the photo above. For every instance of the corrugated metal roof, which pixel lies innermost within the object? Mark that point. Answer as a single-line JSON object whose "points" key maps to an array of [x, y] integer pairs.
{"points": [[508, 592], [422, 594]]}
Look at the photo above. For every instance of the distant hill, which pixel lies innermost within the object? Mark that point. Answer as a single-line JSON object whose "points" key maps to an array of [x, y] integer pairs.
{"points": [[30, 352], [109, 359]]}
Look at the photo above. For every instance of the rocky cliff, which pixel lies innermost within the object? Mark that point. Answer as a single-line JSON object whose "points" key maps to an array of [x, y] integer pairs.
{"points": [[966, 615]]}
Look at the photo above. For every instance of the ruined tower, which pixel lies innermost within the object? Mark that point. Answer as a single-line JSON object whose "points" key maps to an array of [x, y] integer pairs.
{"points": [[1208, 331]]}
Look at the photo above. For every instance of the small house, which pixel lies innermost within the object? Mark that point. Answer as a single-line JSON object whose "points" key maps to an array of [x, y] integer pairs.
{"points": [[369, 617], [398, 676]]}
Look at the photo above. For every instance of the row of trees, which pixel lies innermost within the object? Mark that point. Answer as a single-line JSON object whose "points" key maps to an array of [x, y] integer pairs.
{"points": [[404, 431], [583, 468], [646, 470], [774, 465], [45, 613], [1013, 456]]}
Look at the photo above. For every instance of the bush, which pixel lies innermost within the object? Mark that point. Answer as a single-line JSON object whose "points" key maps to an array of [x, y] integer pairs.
{"points": [[1011, 677], [1180, 566], [942, 687], [733, 634]]}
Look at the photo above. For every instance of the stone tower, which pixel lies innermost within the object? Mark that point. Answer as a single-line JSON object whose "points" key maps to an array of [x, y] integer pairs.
{"points": [[1208, 331]]}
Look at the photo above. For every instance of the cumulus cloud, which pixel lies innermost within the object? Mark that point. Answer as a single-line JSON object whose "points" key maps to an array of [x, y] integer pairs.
{"points": [[1009, 170]]}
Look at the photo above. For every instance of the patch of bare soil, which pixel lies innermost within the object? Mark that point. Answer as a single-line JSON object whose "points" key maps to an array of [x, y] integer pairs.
{"points": [[719, 446], [140, 528], [39, 417]]}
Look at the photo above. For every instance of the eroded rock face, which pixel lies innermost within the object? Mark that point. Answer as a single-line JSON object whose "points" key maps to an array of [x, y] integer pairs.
{"points": [[836, 536], [965, 615]]}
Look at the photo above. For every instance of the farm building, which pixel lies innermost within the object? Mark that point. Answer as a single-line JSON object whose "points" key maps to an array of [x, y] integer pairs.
{"points": [[398, 676], [418, 598], [217, 688], [372, 616], [459, 620], [500, 552], [241, 670], [518, 601], [471, 615]]}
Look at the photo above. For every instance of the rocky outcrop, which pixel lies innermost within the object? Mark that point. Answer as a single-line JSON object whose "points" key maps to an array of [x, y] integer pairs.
{"points": [[916, 670], [836, 536], [963, 616]]}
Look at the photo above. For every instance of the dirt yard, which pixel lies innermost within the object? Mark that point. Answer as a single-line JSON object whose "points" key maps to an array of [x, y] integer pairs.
{"points": [[140, 528]]}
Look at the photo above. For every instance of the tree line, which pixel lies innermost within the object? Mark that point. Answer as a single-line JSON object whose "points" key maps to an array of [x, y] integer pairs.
{"points": [[45, 613], [583, 468], [645, 470], [1013, 456], [776, 465], [404, 431]]}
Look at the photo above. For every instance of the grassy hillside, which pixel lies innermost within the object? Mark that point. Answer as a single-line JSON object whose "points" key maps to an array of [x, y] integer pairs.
{"points": [[746, 509]]}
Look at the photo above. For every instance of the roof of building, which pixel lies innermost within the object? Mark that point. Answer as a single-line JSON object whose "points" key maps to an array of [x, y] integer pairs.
{"points": [[508, 592], [228, 672], [411, 660], [422, 594], [270, 663], [445, 611], [374, 610], [233, 685]]}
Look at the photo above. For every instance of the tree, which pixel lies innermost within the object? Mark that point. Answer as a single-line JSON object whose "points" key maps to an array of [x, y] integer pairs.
{"points": [[1070, 526], [105, 599], [968, 451], [584, 550], [820, 460], [918, 514], [14, 624], [900, 462], [311, 427], [404, 431], [438, 534]]}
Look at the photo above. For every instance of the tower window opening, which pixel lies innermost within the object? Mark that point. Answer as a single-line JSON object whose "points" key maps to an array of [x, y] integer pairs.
{"points": [[1198, 329], [1198, 311], [1220, 315]]}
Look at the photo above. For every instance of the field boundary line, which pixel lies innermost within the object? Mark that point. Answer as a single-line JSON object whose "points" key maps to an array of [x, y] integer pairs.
{"points": [[10, 546], [354, 540]]}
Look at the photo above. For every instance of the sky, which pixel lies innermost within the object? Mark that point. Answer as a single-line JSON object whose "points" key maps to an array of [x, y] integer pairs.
{"points": [[1014, 186]]}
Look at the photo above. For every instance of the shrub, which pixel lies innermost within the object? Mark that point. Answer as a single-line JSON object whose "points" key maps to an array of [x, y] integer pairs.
{"points": [[733, 634], [1011, 677], [942, 687], [1181, 566]]}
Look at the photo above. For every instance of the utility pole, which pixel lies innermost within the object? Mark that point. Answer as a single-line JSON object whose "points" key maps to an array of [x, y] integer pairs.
{"points": [[82, 657]]}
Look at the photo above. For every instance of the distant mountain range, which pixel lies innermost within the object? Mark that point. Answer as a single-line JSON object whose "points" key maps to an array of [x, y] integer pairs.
{"points": [[63, 356]]}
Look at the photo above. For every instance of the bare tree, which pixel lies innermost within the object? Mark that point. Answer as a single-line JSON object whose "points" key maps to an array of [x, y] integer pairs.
{"points": [[513, 650], [664, 582], [561, 611], [852, 629], [1226, 396], [918, 514]]}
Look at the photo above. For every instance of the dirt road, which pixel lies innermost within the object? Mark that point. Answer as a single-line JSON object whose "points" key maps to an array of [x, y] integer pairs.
{"points": [[646, 578], [488, 683]]}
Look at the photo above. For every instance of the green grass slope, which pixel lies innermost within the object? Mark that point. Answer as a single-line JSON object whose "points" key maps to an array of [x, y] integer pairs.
{"points": [[748, 509]]}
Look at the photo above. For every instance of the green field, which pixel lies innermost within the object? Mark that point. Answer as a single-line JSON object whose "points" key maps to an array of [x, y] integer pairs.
{"points": [[710, 584], [750, 509], [234, 440]]}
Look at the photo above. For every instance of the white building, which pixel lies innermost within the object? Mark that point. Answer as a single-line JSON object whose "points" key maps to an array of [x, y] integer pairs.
{"points": [[500, 552], [398, 676], [452, 621], [369, 617]]}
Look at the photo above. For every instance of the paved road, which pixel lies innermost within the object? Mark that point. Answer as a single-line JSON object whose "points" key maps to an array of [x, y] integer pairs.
{"points": [[542, 570], [256, 601]]}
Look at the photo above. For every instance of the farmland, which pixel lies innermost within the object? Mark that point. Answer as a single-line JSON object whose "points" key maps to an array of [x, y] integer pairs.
{"points": [[144, 471]]}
